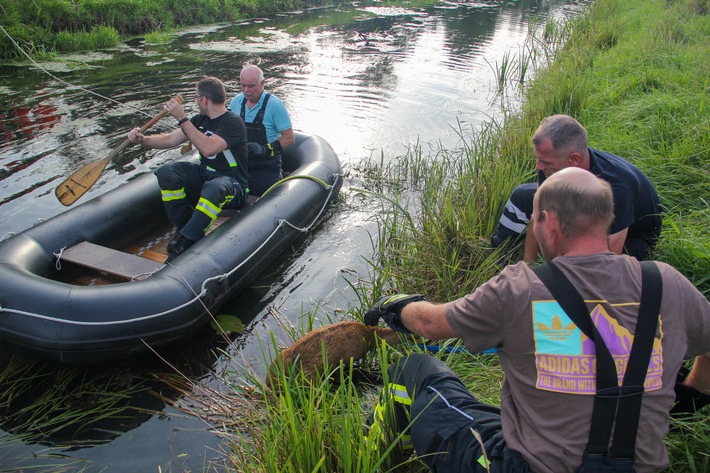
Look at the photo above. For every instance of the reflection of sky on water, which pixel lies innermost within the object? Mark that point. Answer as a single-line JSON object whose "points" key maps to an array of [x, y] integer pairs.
{"points": [[395, 76], [268, 40]]}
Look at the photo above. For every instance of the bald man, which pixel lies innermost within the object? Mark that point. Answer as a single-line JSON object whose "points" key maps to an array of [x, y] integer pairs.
{"points": [[269, 129], [561, 142], [548, 396]]}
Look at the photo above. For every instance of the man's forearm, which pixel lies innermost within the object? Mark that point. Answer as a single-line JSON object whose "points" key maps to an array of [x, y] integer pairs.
{"points": [[617, 240], [287, 138], [532, 247], [427, 320], [163, 140]]}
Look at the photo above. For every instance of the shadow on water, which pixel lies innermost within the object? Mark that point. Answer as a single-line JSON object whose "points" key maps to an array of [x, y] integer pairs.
{"points": [[371, 78], [65, 412]]}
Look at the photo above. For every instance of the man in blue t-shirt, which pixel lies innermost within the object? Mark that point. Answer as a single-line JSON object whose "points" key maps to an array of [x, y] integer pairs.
{"points": [[269, 129], [560, 142]]}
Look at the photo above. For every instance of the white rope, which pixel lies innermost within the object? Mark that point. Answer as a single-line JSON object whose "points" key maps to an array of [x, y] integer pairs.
{"points": [[111, 322], [68, 83], [62, 80], [58, 264], [144, 276], [197, 297]]}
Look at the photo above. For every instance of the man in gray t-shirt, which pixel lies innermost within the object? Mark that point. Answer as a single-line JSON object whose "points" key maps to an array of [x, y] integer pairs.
{"points": [[550, 384]]}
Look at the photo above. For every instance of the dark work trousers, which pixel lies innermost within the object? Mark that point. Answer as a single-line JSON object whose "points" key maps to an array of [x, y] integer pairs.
{"points": [[441, 420], [513, 224], [264, 170], [194, 196]]}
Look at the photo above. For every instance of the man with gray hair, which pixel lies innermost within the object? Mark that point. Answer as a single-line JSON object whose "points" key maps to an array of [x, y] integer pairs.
{"points": [[560, 142], [269, 129], [548, 415]]}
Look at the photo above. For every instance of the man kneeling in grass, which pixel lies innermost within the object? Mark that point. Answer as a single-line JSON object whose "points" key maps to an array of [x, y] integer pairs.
{"points": [[549, 420], [561, 142]]}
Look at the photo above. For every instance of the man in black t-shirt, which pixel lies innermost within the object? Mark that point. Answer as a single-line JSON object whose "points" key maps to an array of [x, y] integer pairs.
{"points": [[194, 194], [560, 142]]}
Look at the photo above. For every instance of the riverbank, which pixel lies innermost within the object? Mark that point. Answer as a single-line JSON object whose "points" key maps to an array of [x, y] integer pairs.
{"points": [[635, 74], [43, 28]]}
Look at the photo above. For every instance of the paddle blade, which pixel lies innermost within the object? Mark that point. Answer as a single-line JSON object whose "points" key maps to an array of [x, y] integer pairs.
{"points": [[78, 183]]}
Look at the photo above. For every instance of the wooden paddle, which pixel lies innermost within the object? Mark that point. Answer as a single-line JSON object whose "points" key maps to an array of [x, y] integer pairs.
{"points": [[81, 180]]}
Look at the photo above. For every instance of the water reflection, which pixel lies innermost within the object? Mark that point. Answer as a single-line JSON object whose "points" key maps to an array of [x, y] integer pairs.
{"points": [[70, 414], [370, 79]]}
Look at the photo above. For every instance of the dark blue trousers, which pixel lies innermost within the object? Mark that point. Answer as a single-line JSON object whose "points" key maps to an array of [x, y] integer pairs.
{"points": [[194, 196], [447, 427]]}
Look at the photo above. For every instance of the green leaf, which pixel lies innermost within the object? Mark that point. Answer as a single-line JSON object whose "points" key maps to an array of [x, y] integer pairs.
{"points": [[226, 324]]}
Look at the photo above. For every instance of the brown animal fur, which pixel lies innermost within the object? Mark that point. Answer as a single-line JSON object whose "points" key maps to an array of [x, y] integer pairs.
{"points": [[341, 341]]}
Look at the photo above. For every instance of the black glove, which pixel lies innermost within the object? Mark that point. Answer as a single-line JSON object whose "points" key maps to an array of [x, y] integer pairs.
{"points": [[256, 150], [687, 399], [389, 308]]}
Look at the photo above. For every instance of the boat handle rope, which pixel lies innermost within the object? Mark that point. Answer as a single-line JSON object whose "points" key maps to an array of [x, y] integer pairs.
{"points": [[297, 176], [282, 222], [58, 264], [203, 291], [7, 235]]}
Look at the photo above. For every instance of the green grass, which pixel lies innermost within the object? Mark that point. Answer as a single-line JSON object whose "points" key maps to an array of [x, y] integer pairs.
{"points": [[40, 403], [99, 37], [46, 27]]}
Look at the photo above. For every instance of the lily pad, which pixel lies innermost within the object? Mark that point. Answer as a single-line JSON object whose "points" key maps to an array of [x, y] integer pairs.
{"points": [[226, 324]]}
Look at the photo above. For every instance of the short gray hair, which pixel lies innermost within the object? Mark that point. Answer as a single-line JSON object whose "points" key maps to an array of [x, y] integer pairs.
{"points": [[580, 199], [565, 133]]}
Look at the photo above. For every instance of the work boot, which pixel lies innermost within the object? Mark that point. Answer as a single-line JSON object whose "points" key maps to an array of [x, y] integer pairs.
{"points": [[178, 246]]}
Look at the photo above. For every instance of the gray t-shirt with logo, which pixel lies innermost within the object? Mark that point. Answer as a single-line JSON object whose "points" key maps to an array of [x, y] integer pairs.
{"points": [[547, 398]]}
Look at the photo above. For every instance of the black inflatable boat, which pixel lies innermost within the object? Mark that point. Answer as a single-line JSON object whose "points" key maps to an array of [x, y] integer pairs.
{"points": [[89, 286]]}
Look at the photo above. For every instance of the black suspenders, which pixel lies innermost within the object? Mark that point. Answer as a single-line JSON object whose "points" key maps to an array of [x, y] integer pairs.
{"points": [[613, 402], [259, 119]]}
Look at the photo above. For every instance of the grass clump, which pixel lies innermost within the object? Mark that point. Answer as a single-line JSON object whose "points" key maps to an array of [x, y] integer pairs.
{"points": [[99, 37], [39, 403], [313, 425]]}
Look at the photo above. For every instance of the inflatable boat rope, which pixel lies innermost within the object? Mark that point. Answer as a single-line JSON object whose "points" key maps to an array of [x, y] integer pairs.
{"points": [[282, 222]]}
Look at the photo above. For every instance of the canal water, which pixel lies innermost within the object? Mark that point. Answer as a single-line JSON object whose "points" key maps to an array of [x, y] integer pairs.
{"points": [[372, 78]]}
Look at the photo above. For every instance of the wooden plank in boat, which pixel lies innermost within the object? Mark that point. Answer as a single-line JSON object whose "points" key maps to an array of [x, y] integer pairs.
{"points": [[109, 261]]}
